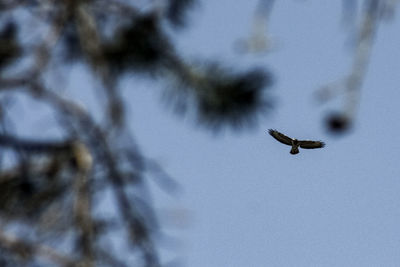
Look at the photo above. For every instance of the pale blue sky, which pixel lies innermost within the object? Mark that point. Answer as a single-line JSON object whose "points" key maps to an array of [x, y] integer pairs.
{"points": [[246, 200]]}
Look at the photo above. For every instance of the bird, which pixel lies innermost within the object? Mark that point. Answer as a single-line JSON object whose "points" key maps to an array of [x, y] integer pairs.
{"points": [[307, 144]]}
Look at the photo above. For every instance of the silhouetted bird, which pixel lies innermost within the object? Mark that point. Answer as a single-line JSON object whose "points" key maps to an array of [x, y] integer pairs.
{"points": [[307, 144]]}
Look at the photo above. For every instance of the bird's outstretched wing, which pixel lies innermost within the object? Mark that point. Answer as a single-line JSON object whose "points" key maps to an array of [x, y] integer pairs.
{"points": [[307, 144], [280, 137]]}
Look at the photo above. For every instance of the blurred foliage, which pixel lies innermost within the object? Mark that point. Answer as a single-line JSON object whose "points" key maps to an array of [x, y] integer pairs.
{"points": [[226, 98], [138, 46], [176, 11], [52, 189], [338, 123], [9, 47]]}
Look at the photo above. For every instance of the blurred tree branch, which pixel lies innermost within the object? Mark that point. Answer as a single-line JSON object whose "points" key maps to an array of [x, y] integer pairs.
{"points": [[374, 12], [51, 188]]}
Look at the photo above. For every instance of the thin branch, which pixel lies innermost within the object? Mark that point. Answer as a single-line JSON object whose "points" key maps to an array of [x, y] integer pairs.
{"points": [[140, 235], [83, 218], [28, 250], [43, 51], [33, 146], [90, 41]]}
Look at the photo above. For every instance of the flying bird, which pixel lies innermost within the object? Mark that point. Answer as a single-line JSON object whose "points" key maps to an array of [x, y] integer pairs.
{"points": [[307, 144]]}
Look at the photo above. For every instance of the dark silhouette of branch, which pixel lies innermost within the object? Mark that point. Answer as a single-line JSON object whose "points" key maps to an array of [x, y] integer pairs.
{"points": [[33, 146]]}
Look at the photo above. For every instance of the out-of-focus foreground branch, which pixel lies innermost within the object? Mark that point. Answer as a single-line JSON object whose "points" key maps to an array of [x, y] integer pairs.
{"points": [[373, 13], [363, 16], [78, 197]]}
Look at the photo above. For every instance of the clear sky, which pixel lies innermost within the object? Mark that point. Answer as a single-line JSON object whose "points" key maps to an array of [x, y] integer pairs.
{"points": [[245, 200]]}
